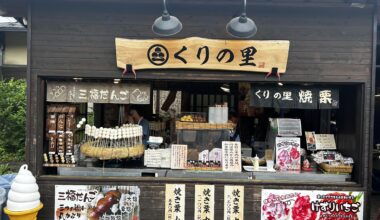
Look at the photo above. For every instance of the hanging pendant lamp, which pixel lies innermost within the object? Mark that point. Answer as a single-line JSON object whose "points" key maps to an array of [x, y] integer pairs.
{"points": [[242, 27], [166, 25]]}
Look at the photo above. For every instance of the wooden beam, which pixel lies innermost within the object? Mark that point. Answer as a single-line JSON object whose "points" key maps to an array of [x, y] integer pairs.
{"points": [[270, 3]]}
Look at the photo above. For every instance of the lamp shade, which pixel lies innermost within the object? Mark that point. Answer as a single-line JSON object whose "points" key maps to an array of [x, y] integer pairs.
{"points": [[242, 27], [166, 25]]}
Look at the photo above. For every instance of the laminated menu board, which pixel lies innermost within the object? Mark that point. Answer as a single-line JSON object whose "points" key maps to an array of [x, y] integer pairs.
{"points": [[288, 156]]}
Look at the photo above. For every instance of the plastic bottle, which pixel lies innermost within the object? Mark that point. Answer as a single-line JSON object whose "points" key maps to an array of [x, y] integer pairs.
{"points": [[256, 163]]}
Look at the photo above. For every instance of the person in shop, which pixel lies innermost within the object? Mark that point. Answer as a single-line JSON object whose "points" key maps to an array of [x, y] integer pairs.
{"points": [[138, 118], [235, 134]]}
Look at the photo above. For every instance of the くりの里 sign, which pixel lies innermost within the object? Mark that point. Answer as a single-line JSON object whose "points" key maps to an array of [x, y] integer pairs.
{"points": [[202, 53], [294, 97]]}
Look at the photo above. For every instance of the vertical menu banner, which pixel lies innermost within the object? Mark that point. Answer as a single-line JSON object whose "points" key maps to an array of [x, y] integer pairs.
{"points": [[231, 156], [178, 156], [175, 202], [204, 199], [233, 202]]}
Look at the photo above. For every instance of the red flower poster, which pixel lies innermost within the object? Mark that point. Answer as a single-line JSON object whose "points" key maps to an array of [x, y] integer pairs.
{"points": [[288, 155], [311, 205]]}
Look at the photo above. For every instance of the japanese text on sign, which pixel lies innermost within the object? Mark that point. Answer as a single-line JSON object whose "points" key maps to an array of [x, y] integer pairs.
{"points": [[233, 202], [175, 202], [204, 202], [79, 202], [302, 204], [325, 142], [294, 97], [82, 92], [178, 156], [231, 156], [200, 53]]}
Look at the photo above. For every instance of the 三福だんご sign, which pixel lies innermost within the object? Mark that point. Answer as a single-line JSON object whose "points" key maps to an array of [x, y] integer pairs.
{"points": [[202, 53]]}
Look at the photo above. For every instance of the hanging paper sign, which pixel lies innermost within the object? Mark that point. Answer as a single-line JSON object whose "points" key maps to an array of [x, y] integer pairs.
{"points": [[83, 92], [233, 202], [204, 199], [288, 156], [231, 156], [306, 204], [82, 202], [178, 156], [202, 53], [292, 97], [325, 142], [175, 202]]}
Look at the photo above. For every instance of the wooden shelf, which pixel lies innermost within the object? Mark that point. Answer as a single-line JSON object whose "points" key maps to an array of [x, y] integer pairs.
{"points": [[203, 126]]}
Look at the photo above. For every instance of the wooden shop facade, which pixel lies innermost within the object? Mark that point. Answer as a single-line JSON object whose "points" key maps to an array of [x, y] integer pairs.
{"points": [[95, 64]]}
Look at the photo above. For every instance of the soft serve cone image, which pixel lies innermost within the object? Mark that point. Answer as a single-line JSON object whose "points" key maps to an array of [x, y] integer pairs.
{"points": [[23, 199]]}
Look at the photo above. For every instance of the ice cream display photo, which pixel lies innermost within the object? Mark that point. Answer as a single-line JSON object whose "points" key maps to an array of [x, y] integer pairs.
{"points": [[24, 198]]}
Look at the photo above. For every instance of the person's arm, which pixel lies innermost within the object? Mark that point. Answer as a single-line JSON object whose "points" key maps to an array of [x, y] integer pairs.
{"points": [[146, 131]]}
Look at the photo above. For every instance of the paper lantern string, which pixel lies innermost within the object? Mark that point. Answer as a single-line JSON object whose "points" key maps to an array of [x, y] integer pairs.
{"points": [[129, 69], [273, 72]]}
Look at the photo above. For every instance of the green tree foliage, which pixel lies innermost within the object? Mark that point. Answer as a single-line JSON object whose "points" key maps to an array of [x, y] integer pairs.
{"points": [[12, 119]]}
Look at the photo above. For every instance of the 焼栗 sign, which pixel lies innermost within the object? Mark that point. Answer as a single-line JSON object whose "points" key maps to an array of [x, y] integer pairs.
{"points": [[202, 53]]}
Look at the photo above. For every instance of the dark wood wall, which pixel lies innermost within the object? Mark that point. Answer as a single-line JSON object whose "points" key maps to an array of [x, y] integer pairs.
{"points": [[152, 198], [327, 44], [76, 39]]}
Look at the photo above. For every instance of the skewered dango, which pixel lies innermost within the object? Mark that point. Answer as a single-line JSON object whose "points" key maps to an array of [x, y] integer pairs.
{"points": [[113, 143]]}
